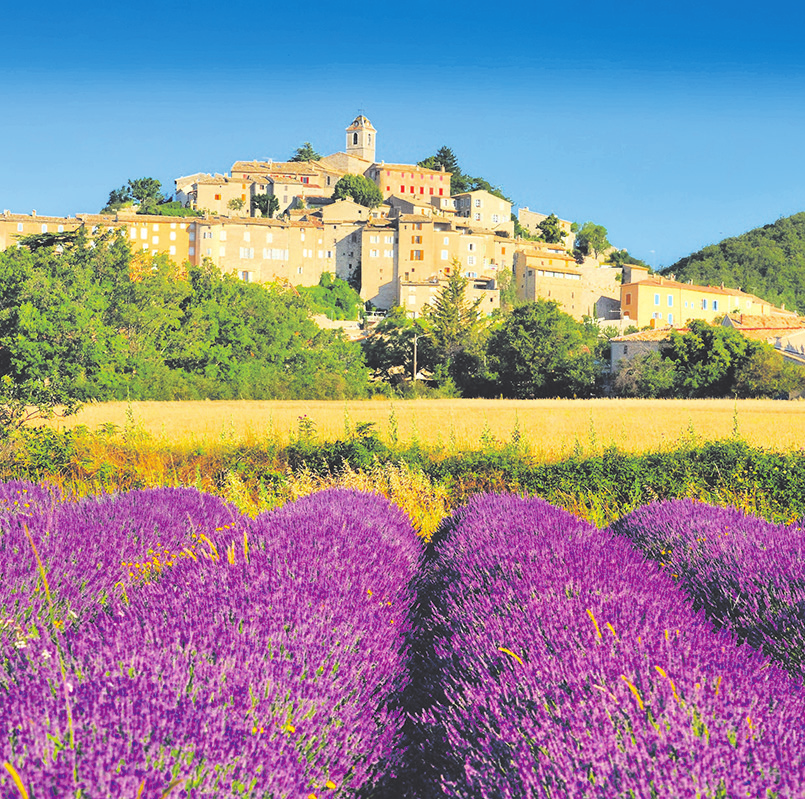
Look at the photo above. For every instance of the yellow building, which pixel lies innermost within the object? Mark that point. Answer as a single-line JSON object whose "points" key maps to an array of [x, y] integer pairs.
{"points": [[654, 300], [408, 181], [547, 272]]}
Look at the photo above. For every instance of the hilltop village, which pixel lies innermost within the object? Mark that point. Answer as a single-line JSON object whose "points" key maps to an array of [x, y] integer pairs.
{"points": [[402, 252]]}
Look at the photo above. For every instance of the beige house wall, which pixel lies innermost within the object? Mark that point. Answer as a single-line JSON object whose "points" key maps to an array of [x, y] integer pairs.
{"points": [[379, 268], [486, 210], [414, 296]]}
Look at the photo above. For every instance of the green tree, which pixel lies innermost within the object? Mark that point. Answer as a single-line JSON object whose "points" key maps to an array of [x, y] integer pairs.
{"points": [[266, 204], [508, 290], [765, 373], [706, 359], [305, 153], [648, 376], [540, 351], [458, 332], [147, 192], [591, 239], [360, 189], [334, 298], [236, 204], [389, 348], [621, 257], [551, 229]]}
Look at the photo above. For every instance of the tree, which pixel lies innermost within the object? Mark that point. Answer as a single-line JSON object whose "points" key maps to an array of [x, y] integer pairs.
{"points": [[592, 239], [360, 189], [551, 229], [389, 349], [334, 298], [147, 192], [621, 257], [305, 153], [236, 204], [540, 351], [648, 376], [458, 333], [266, 204], [706, 359]]}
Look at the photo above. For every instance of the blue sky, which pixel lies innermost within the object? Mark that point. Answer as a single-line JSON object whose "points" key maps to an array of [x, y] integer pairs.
{"points": [[672, 124]]}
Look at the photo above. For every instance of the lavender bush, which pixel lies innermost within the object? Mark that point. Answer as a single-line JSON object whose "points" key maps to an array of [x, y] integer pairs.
{"points": [[264, 671], [748, 574], [564, 665]]}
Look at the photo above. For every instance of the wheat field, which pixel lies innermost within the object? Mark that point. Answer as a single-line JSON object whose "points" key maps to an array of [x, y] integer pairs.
{"points": [[551, 429]]}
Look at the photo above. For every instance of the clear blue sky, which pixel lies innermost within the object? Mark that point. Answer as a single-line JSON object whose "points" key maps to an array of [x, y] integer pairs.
{"points": [[672, 124]]}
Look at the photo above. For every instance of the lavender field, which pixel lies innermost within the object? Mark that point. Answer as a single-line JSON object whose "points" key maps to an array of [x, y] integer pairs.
{"points": [[160, 643]]}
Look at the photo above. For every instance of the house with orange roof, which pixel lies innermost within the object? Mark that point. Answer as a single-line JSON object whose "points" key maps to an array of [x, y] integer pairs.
{"points": [[656, 300]]}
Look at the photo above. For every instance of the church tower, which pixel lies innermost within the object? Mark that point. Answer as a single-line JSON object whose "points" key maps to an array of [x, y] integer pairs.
{"points": [[361, 139]]}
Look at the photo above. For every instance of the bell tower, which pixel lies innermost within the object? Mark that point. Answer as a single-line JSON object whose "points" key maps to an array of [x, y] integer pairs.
{"points": [[361, 139]]}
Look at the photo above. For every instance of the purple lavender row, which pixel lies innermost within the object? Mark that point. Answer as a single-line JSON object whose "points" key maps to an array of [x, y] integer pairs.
{"points": [[748, 574], [568, 666], [264, 672]]}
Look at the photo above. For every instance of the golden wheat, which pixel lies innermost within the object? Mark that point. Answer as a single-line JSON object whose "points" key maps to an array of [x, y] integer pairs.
{"points": [[549, 429]]}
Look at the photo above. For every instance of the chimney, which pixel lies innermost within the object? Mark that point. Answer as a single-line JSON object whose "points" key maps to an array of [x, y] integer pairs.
{"points": [[33, 213]]}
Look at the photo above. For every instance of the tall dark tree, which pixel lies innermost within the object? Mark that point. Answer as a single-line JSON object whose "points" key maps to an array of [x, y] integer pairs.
{"points": [[305, 153], [266, 204], [551, 230]]}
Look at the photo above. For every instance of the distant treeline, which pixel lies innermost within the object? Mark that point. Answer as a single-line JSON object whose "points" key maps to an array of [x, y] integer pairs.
{"points": [[768, 261]]}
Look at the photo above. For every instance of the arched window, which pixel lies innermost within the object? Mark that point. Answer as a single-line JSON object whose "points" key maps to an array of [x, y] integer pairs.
{"points": [[354, 138]]}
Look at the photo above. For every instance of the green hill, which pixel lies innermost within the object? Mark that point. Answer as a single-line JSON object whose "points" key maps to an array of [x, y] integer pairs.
{"points": [[768, 261]]}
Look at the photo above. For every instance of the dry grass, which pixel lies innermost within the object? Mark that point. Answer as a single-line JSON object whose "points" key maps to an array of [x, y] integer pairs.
{"points": [[551, 429]]}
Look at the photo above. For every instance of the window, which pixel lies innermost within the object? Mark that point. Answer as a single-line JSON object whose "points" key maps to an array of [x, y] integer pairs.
{"points": [[495, 218], [192, 235], [670, 301], [132, 233], [628, 299], [471, 274], [670, 318], [206, 234], [155, 239], [470, 260], [221, 251], [191, 251], [61, 228], [417, 226], [173, 235], [217, 196], [298, 270], [245, 276], [320, 254], [172, 250], [247, 252], [402, 189], [715, 305], [625, 348], [388, 239], [478, 202], [416, 255], [269, 238], [19, 227], [305, 180], [388, 253], [416, 239], [441, 192], [704, 305], [446, 240], [471, 246], [444, 255], [374, 253], [354, 138], [656, 299], [222, 236], [247, 236]]}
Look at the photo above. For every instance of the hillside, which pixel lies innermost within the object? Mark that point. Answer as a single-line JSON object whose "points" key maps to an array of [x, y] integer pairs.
{"points": [[768, 261]]}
